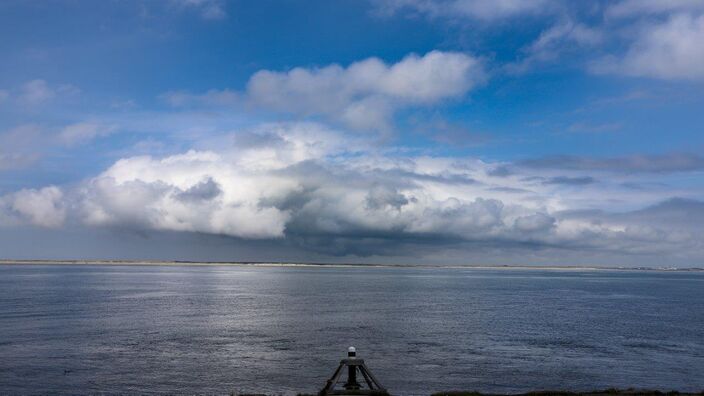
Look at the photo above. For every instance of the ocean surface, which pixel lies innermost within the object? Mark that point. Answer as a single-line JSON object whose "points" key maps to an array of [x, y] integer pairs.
{"points": [[282, 330]]}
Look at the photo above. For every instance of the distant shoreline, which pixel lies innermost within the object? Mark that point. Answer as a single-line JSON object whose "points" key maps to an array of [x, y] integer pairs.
{"points": [[329, 265]]}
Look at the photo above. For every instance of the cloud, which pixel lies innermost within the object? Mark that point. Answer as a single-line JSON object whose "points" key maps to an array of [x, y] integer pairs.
{"points": [[210, 98], [43, 207], [499, 171], [83, 132], [585, 127], [636, 8], [365, 94], [16, 160], [668, 50], [683, 212], [204, 191], [570, 181], [535, 222], [382, 196], [23, 145], [670, 226], [36, 92], [308, 186], [19, 146], [448, 133], [676, 162], [648, 38], [486, 10], [208, 9], [554, 42], [127, 104]]}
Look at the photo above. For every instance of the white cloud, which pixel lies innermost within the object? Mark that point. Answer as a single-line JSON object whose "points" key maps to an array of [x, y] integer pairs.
{"points": [[83, 132], [365, 94], [668, 50], [4, 95]]}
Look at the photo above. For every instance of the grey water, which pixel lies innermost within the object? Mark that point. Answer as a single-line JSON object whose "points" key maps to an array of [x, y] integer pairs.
{"points": [[282, 330]]}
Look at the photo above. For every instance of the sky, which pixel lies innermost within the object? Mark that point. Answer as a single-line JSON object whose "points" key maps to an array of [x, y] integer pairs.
{"points": [[457, 132]]}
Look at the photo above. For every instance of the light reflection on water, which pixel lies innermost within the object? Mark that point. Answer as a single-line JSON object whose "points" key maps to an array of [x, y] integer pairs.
{"points": [[180, 329]]}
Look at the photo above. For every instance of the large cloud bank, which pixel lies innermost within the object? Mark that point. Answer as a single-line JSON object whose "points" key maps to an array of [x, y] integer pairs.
{"points": [[310, 186]]}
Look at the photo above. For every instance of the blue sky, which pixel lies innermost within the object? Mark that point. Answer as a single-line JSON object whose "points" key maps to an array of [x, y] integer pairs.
{"points": [[451, 131]]}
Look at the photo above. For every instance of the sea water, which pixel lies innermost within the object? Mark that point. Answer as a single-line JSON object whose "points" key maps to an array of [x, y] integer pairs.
{"points": [[283, 330]]}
